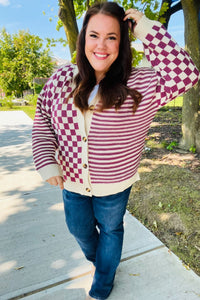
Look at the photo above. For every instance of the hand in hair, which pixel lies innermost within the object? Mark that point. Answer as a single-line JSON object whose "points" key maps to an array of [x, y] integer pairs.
{"points": [[133, 16]]}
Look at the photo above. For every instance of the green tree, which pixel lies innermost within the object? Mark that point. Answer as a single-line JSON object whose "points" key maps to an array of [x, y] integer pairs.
{"points": [[22, 58]]}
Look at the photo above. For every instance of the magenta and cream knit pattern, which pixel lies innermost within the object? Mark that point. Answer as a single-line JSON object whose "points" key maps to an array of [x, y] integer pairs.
{"points": [[105, 160]]}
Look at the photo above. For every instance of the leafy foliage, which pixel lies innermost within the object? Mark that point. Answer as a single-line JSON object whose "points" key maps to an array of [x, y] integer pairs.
{"points": [[22, 58], [151, 8], [32, 99], [171, 146], [51, 42]]}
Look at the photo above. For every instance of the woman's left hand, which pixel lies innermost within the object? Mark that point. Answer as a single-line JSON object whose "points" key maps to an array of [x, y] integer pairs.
{"points": [[134, 15]]}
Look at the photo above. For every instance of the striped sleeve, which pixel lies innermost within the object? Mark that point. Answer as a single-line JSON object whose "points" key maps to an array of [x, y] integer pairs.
{"points": [[174, 68], [44, 142]]}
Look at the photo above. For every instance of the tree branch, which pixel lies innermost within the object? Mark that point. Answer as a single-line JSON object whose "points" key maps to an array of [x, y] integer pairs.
{"points": [[175, 8], [171, 10]]}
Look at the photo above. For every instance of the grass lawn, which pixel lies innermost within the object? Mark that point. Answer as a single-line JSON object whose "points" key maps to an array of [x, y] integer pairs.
{"points": [[29, 110], [178, 102]]}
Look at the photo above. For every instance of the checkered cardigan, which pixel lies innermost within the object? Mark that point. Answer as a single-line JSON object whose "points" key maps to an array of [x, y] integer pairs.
{"points": [[105, 159]]}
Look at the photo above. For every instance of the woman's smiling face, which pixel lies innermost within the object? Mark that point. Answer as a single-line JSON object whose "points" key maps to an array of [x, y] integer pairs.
{"points": [[102, 40]]}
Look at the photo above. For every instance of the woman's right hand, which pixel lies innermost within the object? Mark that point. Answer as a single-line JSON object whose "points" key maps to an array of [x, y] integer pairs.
{"points": [[56, 180], [133, 14]]}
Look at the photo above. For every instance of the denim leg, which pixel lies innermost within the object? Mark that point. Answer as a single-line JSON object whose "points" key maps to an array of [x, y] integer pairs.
{"points": [[81, 222], [109, 212]]}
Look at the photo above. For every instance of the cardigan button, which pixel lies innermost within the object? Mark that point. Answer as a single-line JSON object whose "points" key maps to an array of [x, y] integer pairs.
{"points": [[91, 107], [88, 190], [85, 166], [84, 139]]}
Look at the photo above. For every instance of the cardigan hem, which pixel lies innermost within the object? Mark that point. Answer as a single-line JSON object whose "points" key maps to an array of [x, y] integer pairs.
{"points": [[100, 189]]}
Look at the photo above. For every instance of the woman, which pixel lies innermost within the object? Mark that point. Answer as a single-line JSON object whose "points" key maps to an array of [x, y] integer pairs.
{"points": [[96, 115]]}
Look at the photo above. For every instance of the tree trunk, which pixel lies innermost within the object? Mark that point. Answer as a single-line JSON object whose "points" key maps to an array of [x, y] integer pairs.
{"points": [[68, 17], [190, 111]]}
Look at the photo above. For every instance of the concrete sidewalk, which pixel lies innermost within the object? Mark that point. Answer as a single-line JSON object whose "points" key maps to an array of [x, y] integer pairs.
{"points": [[39, 259]]}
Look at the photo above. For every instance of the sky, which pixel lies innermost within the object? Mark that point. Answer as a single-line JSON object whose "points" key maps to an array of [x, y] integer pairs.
{"points": [[29, 15]]}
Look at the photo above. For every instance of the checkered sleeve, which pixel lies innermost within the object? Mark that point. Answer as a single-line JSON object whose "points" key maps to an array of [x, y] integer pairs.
{"points": [[44, 143], [175, 70]]}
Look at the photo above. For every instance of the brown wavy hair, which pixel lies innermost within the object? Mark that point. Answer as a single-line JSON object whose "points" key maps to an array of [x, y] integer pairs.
{"points": [[113, 89]]}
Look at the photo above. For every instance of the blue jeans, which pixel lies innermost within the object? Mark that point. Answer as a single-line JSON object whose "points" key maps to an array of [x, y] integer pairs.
{"points": [[97, 225]]}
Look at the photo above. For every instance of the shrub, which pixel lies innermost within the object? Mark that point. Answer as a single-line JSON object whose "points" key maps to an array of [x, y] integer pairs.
{"points": [[32, 99], [7, 101]]}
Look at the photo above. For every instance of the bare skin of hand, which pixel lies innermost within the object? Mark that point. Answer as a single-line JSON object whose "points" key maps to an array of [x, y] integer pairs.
{"points": [[133, 14], [56, 180]]}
